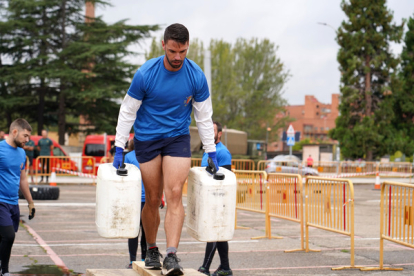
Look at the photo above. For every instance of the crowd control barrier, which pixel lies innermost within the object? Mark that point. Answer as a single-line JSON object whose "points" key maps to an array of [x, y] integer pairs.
{"points": [[262, 164], [324, 166], [43, 165], [243, 164], [285, 197], [397, 218], [329, 205], [251, 193]]}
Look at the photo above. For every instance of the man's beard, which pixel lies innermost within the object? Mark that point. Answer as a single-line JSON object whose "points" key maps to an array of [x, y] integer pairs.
{"points": [[19, 144], [173, 65], [216, 139]]}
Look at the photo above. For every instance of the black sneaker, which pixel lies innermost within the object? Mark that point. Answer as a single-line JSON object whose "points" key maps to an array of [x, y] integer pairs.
{"points": [[170, 265], [222, 272], [129, 266], [204, 270], [152, 260]]}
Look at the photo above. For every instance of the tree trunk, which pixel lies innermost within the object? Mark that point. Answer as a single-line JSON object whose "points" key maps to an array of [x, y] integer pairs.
{"points": [[368, 99], [61, 117], [41, 107], [62, 107]]}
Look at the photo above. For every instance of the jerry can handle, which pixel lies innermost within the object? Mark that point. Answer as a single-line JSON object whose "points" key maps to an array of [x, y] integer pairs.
{"points": [[211, 169], [121, 170]]}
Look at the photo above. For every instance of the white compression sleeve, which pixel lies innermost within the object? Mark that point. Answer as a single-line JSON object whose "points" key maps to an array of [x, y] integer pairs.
{"points": [[202, 114], [126, 119]]}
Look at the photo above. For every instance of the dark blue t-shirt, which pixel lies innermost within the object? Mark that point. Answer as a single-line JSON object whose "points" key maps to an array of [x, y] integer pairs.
{"points": [[131, 158], [166, 98], [223, 156], [12, 162]]}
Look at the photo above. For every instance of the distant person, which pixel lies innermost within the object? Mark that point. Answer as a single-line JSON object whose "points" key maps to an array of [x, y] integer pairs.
{"points": [[224, 160], [12, 178], [29, 149], [45, 146], [130, 158], [1, 135], [310, 161]]}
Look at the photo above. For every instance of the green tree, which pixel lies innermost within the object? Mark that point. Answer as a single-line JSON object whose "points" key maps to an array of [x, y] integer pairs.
{"points": [[404, 103], [364, 127], [62, 67]]}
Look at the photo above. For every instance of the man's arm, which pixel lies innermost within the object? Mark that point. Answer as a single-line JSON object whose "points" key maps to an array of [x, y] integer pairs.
{"points": [[24, 187], [51, 146], [126, 119], [203, 111]]}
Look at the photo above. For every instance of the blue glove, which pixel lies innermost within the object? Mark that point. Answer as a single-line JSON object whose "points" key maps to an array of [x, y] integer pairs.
{"points": [[213, 157], [118, 157]]}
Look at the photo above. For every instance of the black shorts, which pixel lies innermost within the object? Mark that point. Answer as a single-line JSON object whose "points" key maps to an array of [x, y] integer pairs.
{"points": [[178, 146], [30, 161], [9, 215]]}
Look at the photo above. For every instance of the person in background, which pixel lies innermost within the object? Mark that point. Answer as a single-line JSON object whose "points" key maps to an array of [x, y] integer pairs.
{"points": [[310, 161], [45, 146], [1, 135], [224, 160], [130, 158], [29, 149]]}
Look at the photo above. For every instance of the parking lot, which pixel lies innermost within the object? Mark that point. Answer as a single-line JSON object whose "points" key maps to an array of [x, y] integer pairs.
{"points": [[64, 233]]}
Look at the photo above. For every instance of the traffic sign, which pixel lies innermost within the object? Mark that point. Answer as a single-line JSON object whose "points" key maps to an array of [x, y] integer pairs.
{"points": [[290, 140], [290, 131]]}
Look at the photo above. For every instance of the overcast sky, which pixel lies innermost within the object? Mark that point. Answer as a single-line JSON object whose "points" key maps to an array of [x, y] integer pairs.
{"points": [[307, 49]]}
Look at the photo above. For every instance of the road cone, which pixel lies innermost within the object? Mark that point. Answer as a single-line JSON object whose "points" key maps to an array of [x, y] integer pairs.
{"points": [[377, 182], [53, 178]]}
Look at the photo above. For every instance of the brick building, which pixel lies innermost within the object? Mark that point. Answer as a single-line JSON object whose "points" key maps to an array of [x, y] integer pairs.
{"points": [[313, 120]]}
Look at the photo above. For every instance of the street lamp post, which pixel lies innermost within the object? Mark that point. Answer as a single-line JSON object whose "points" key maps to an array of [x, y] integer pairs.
{"points": [[267, 139]]}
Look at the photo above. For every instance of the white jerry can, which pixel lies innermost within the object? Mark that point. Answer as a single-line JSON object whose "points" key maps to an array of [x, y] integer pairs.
{"points": [[211, 205], [118, 202]]}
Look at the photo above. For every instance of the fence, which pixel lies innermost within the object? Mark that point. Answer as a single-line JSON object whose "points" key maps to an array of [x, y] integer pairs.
{"points": [[43, 165], [243, 164], [397, 218], [329, 206], [324, 166], [195, 162], [285, 197], [251, 193]]}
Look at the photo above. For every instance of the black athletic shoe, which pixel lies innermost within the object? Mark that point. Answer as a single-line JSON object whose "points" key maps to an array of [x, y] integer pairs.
{"points": [[222, 272], [204, 270], [152, 260], [170, 265], [129, 266]]}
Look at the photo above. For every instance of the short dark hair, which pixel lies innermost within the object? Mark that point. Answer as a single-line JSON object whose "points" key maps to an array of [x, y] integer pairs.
{"points": [[177, 32], [219, 127], [20, 124]]}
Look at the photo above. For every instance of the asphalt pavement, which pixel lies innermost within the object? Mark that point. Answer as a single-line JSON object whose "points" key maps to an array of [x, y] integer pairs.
{"points": [[64, 233]]}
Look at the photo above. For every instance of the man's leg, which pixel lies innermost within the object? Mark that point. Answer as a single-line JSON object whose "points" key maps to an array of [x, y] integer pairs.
{"points": [[175, 170], [7, 239], [152, 177]]}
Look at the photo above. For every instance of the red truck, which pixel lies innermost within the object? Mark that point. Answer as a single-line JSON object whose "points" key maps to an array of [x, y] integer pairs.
{"points": [[97, 146]]}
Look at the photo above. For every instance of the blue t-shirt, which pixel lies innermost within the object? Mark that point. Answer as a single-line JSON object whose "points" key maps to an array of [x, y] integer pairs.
{"points": [[131, 158], [166, 98], [223, 156], [12, 162]]}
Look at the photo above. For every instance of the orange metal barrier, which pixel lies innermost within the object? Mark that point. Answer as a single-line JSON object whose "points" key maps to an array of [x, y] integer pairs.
{"points": [[243, 164], [395, 167], [358, 167], [324, 166], [43, 165], [251, 192], [285, 197], [397, 218], [262, 164], [329, 206]]}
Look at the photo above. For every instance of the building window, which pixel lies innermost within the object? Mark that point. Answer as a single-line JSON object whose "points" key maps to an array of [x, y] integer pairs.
{"points": [[307, 128], [326, 128], [317, 106], [321, 129], [317, 113], [316, 129]]}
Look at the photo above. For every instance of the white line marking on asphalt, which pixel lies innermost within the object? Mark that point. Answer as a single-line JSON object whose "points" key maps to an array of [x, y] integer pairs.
{"points": [[62, 204], [124, 243]]}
